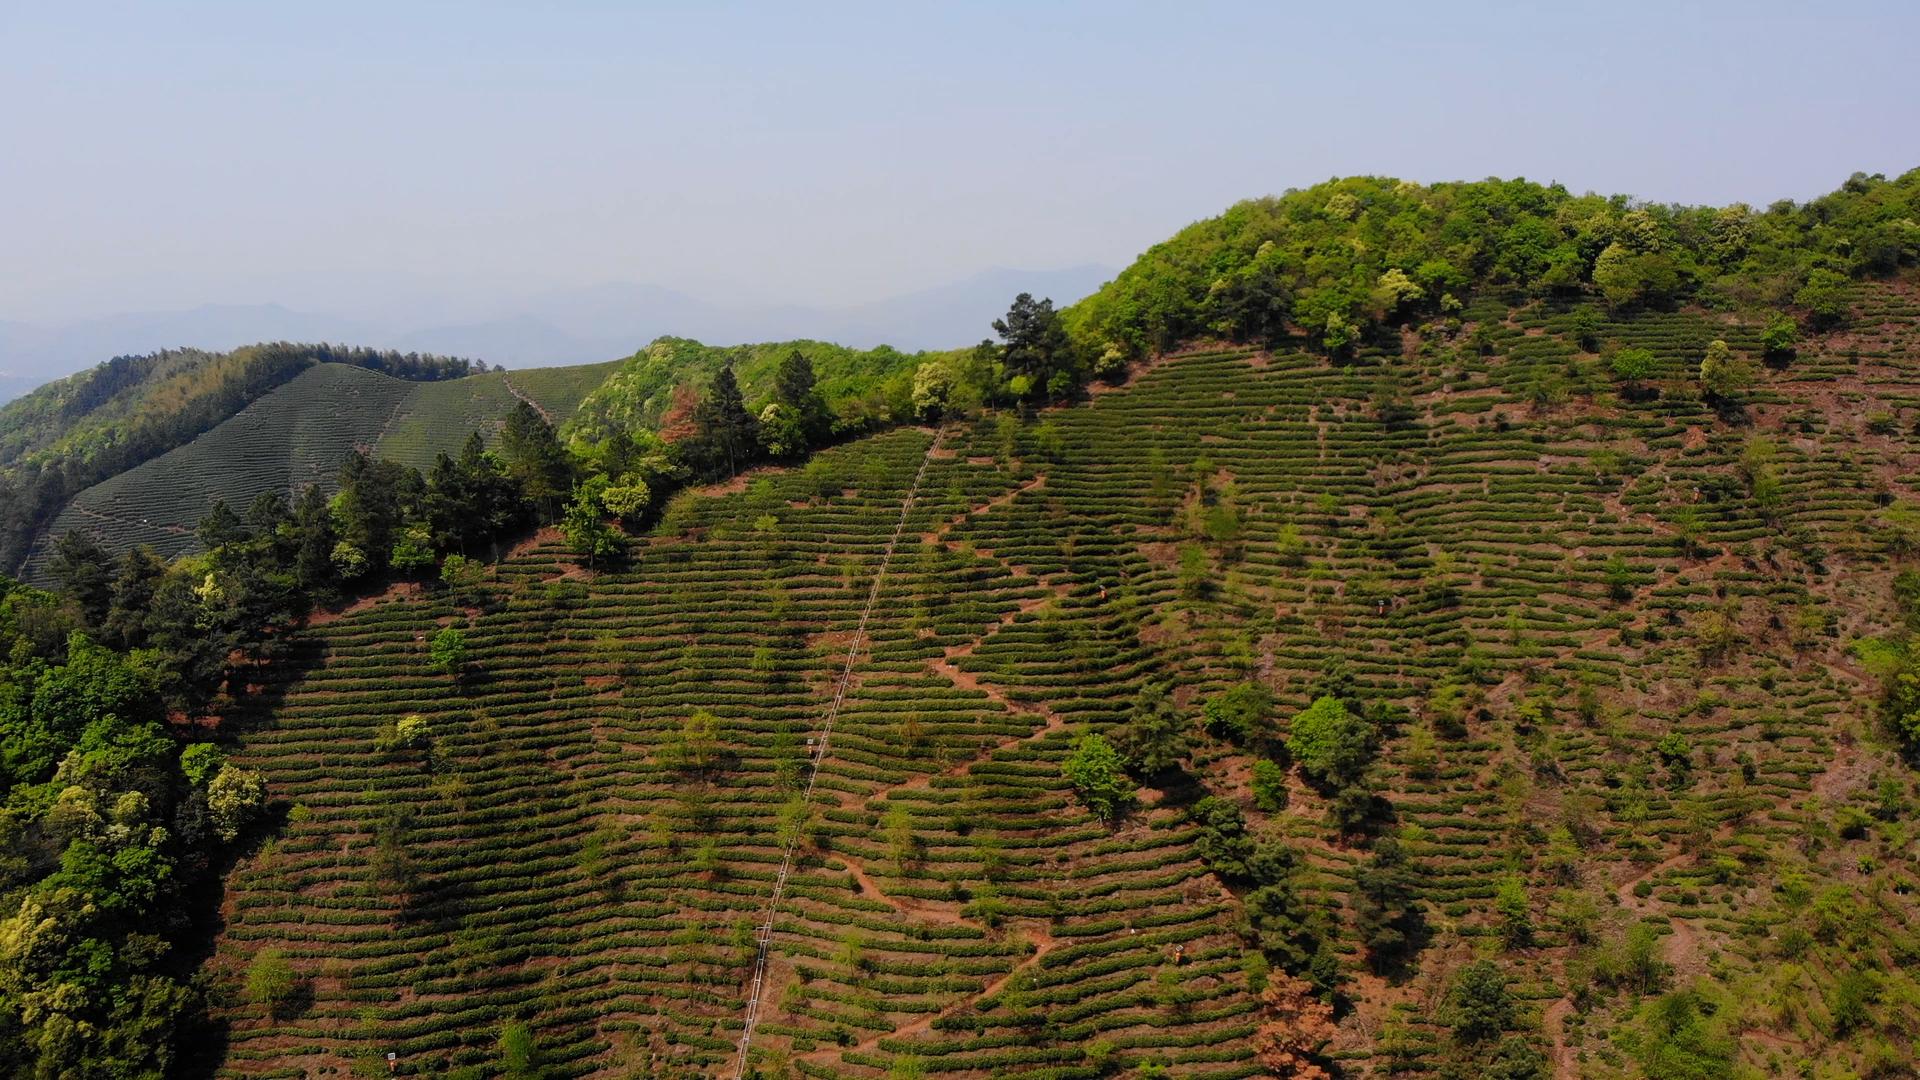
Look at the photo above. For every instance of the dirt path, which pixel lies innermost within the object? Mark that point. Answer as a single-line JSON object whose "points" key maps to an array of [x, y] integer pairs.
{"points": [[1624, 891], [177, 530], [946, 667], [1615, 504], [1043, 943], [1848, 772], [967, 680], [392, 592], [1683, 950], [938, 536], [507, 382], [1705, 569], [917, 908], [1554, 1022]]}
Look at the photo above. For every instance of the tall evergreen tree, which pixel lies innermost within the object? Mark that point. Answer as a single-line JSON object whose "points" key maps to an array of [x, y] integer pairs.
{"points": [[536, 459], [375, 501], [471, 500], [1154, 739], [796, 388], [314, 537], [85, 570], [446, 503], [1036, 350], [221, 526], [268, 514], [727, 432], [134, 586], [1387, 905]]}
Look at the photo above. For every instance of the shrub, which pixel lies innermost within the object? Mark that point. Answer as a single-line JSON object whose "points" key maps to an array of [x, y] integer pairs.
{"points": [[1330, 744], [1196, 573], [1681, 1040], [1633, 365], [1723, 375], [272, 982], [1515, 909], [1824, 296], [1479, 1006], [201, 762], [519, 1052], [1239, 714], [1781, 338], [235, 796], [447, 651], [1269, 786], [1098, 775]]}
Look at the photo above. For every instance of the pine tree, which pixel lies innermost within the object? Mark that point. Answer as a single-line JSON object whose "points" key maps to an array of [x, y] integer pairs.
{"points": [[220, 526], [536, 459], [795, 386], [84, 569], [1387, 906], [139, 577], [1154, 739], [1295, 1024], [1036, 349], [315, 537], [727, 433], [472, 500]]}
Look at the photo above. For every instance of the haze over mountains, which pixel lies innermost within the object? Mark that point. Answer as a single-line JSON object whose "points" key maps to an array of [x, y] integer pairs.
{"points": [[561, 326]]}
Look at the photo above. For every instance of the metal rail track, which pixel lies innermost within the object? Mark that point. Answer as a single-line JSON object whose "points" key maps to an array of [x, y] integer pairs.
{"points": [[763, 936]]}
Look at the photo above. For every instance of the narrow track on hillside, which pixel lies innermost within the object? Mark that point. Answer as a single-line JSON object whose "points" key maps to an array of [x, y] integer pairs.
{"points": [[522, 395], [763, 936]]}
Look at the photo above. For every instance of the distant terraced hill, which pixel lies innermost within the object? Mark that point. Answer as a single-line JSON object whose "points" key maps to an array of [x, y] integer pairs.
{"points": [[78, 431], [438, 416], [297, 435]]}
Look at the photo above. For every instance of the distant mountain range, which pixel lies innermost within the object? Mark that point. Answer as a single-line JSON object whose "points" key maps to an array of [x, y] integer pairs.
{"points": [[560, 327]]}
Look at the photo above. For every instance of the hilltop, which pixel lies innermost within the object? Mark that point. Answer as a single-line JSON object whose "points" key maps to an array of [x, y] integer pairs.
{"points": [[1458, 629]]}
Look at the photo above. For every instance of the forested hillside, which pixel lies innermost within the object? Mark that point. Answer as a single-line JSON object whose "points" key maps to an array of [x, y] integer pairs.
{"points": [[1455, 630], [865, 387]]}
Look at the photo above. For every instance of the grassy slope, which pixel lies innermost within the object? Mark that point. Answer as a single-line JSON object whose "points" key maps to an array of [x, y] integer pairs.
{"points": [[572, 875], [298, 435]]}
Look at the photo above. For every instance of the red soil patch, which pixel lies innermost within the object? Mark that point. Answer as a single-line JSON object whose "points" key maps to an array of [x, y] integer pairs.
{"points": [[393, 592]]}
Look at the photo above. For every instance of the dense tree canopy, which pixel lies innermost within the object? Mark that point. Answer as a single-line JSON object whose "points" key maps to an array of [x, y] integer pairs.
{"points": [[1349, 258], [107, 821]]}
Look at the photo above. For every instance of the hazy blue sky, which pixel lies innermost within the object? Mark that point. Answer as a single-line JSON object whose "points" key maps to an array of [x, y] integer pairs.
{"points": [[175, 153]]}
